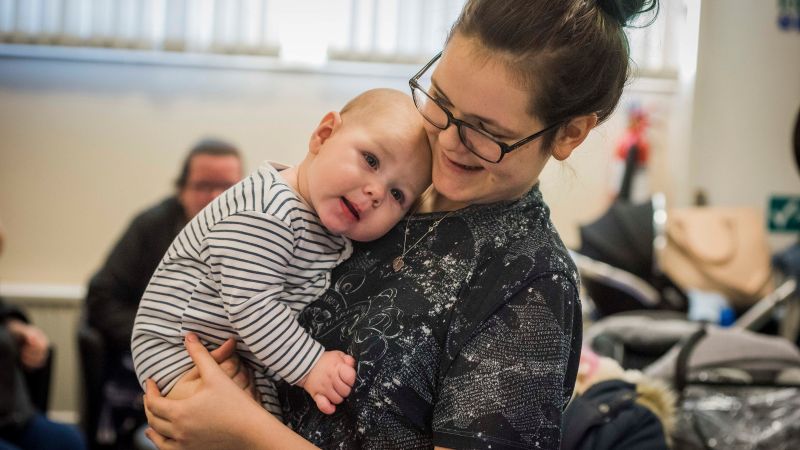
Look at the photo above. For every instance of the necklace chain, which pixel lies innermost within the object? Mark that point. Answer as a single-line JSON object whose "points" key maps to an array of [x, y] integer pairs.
{"points": [[398, 263]]}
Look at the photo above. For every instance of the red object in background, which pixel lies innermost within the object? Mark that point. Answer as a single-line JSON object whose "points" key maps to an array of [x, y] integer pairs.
{"points": [[635, 137]]}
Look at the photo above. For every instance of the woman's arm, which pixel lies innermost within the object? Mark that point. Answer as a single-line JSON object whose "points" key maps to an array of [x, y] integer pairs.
{"points": [[218, 415], [513, 375]]}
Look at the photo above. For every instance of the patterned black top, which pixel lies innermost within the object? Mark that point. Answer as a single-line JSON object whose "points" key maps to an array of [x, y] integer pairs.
{"points": [[474, 344]]}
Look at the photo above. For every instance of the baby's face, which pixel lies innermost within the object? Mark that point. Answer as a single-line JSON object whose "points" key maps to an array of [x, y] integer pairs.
{"points": [[366, 177]]}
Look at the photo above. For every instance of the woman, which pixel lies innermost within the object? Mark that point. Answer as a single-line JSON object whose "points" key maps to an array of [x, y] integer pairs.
{"points": [[465, 319]]}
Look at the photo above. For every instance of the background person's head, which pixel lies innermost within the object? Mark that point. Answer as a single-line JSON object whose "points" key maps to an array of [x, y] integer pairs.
{"points": [[211, 167], [367, 164], [512, 68]]}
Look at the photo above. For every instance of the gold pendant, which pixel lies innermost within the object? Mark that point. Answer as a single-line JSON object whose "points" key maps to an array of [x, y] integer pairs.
{"points": [[398, 264]]}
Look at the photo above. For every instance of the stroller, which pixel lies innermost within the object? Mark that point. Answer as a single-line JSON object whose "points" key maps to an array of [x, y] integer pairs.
{"points": [[737, 388], [617, 260]]}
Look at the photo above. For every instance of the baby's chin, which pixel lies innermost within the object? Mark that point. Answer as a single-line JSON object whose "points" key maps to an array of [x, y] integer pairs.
{"points": [[366, 236]]}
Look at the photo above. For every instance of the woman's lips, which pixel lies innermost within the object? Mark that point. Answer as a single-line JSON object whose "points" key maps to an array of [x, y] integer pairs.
{"points": [[460, 166], [349, 207]]}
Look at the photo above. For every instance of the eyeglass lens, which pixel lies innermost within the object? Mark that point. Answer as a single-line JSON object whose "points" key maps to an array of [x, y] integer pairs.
{"points": [[477, 142]]}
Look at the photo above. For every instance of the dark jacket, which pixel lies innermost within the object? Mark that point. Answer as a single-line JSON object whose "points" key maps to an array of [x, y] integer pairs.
{"points": [[115, 290], [16, 407], [607, 416]]}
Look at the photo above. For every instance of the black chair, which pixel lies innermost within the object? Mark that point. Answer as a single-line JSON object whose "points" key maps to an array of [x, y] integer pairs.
{"points": [[92, 350], [23, 389], [95, 363], [38, 381]]}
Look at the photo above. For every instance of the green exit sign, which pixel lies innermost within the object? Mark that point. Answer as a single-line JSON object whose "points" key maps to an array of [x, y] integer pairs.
{"points": [[784, 213]]}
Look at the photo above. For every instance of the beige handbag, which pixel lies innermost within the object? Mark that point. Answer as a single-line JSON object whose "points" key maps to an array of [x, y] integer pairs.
{"points": [[718, 249]]}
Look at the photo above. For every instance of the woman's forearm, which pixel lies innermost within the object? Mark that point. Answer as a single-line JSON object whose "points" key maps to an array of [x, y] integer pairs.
{"points": [[265, 432]]}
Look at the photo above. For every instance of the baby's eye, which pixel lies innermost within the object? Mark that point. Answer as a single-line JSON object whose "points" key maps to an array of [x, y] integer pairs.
{"points": [[371, 159], [398, 195]]}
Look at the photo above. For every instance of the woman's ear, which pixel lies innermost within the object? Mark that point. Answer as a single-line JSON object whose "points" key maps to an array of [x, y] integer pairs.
{"points": [[572, 135], [327, 126]]}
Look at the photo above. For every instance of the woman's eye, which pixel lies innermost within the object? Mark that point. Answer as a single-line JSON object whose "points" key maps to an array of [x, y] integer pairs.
{"points": [[371, 159], [398, 195], [442, 101], [496, 136]]}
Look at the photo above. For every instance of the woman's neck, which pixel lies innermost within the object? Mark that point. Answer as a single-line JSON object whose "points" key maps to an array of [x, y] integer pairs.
{"points": [[433, 201]]}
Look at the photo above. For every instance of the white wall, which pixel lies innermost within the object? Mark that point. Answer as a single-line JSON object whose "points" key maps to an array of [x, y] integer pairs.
{"points": [[86, 145], [747, 96]]}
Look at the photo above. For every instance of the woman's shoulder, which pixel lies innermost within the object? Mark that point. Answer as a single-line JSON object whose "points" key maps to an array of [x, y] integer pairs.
{"points": [[521, 233]]}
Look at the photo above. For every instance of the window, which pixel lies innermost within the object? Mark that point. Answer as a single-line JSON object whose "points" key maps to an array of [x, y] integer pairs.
{"points": [[307, 31]]}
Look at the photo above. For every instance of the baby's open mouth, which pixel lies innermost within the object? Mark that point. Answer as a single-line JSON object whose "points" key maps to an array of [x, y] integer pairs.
{"points": [[352, 208]]}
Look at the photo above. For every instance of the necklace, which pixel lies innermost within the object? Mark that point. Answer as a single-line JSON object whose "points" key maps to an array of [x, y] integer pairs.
{"points": [[398, 263]]}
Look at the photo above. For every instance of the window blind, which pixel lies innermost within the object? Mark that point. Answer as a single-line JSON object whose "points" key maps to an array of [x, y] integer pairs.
{"points": [[387, 31]]}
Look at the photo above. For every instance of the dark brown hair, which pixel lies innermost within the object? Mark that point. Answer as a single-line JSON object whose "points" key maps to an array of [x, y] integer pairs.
{"points": [[573, 54], [213, 147]]}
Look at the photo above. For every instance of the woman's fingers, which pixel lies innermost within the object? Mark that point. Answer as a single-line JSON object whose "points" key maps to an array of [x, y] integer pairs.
{"points": [[225, 356], [242, 379], [156, 408], [203, 360], [224, 351], [160, 441], [163, 427]]}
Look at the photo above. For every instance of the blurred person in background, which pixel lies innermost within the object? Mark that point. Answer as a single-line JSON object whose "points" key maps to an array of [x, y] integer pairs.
{"points": [[211, 167], [25, 348]]}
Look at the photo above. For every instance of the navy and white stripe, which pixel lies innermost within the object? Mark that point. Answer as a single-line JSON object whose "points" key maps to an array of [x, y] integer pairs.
{"points": [[244, 267]]}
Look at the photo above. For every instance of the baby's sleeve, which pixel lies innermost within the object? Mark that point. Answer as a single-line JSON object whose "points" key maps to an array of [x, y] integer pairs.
{"points": [[251, 253]]}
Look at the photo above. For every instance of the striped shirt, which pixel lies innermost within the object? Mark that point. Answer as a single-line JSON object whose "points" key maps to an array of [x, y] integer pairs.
{"points": [[244, 267]]}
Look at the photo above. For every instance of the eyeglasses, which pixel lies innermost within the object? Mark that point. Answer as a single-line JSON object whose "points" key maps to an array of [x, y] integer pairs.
{"points": [[479, 142], [208, 187]]}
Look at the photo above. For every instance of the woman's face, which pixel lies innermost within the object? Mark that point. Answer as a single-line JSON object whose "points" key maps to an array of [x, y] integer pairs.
{"points": [[479, 89]]}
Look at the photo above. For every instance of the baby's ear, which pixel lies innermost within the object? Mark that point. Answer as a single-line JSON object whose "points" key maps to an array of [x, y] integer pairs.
{"points": [[327, 126]]}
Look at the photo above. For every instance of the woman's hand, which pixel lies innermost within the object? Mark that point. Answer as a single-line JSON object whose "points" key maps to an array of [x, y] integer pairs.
{"points": [[219, 414], [212, 407], [230, 363]]}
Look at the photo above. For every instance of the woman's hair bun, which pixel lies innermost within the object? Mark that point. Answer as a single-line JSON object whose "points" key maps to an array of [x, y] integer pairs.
{"points": [[624, 11]]}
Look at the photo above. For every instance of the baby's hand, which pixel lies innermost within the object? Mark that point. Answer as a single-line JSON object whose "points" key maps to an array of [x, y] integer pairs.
{"points": [[330, 380]]}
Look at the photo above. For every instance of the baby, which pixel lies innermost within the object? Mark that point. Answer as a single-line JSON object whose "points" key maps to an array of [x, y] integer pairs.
{"points": [[249, 262]]}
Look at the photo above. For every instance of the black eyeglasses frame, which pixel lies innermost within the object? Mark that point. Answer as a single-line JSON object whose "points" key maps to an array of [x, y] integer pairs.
{"points": [[451, 119]]}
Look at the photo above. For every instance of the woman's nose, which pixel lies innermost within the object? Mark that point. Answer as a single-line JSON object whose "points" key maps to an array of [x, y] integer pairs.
{"points": [[450, 139]]}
